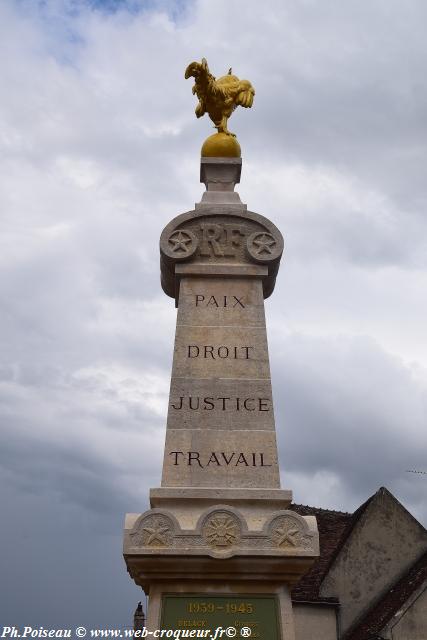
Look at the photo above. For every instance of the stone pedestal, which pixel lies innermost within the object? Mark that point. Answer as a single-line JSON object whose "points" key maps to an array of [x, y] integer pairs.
{"points": [[219, 525]]}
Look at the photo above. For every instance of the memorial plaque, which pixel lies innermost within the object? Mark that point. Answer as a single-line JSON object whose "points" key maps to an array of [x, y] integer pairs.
{"points": [[257, 613]]}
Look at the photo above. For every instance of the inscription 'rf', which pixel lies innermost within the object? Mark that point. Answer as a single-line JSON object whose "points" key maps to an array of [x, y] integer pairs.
{"points": [[220, 240]]}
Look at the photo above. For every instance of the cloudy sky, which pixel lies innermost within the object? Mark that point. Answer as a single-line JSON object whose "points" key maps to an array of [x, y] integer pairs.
{"points": [[99, 150]]}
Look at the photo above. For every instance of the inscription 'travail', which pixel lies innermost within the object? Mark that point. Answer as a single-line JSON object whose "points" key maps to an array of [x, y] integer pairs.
{"points": [[220, 429], [219, 459]]}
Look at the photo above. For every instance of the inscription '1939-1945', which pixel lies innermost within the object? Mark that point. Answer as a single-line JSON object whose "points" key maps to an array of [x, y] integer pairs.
{"points": [[219, 459]]}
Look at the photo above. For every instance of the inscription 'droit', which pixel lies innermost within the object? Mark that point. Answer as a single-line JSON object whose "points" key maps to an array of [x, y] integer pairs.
{"points": [[221, 352]]}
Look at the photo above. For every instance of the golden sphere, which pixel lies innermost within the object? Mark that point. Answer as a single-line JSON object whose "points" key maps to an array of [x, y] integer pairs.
{"points": [[221, 145]]}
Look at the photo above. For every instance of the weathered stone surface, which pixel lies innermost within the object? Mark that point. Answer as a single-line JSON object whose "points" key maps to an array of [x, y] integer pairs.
{"points": [[219, 301], [220, 404], [220, 376], [222, 530], [315, 622], [221, 352], [220, 235], [220, 174], [225, 270], [212, 458], [188, 503], [220, 428], [168, 496]]}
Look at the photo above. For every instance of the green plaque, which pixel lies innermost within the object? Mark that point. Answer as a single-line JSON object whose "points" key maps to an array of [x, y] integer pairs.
{"points": [[257, 613]]}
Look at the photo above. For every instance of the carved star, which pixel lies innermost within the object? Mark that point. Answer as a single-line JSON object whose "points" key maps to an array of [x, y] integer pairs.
{"points": [[286, 536], [156, 533], [179, 240], [264, 242]]}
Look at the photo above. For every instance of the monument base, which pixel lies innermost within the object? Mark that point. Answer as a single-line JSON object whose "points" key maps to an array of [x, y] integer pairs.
{"points": [[218, 557]]}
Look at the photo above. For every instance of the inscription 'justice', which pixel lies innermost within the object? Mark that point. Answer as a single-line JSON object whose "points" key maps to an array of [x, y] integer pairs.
{"points": [[219, 459], [222, 403], [210, 351]]}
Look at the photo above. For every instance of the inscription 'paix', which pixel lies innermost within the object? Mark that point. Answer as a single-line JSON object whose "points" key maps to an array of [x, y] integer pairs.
{"points": [[225, 302]]}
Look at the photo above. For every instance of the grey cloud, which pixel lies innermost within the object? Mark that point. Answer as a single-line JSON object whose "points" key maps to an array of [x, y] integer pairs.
{"points": [[345, 406], [64, 565]]}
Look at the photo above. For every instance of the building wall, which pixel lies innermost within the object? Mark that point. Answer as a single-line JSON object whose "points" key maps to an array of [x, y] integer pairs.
{"points": [[383, 544], [314, 622], [411, 621]]}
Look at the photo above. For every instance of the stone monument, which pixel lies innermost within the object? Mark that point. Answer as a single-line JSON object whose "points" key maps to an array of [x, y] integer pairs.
{"points": [[218, 548]]}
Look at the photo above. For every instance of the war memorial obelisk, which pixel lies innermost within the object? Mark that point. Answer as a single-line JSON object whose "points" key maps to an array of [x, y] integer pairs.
{"points": [[218, 548]]}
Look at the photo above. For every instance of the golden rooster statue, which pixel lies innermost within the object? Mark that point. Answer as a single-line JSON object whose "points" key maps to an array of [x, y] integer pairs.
{"points": [[219, 97]]}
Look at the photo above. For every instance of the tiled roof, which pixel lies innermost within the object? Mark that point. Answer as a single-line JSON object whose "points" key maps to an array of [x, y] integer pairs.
{"points": [[383, 610], [332, 525]]}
